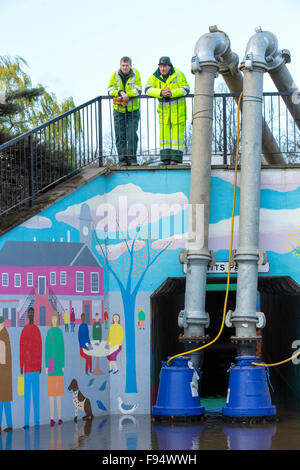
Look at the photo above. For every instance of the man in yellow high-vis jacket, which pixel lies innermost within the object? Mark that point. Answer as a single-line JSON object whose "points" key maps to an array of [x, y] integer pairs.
{"points": [[170, 86], [125, 86]]}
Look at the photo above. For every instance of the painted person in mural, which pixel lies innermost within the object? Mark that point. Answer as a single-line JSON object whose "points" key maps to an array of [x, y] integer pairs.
{"points": [[55, 364], [97, 328], [31, 366], [84, 341], [5, 377], [125, 87], [141, 319], [114, 341], [72, 318], [105, 318], [170, 86], [66, 320]]}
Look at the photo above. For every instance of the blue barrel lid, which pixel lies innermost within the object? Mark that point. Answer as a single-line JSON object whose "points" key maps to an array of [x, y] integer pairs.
{"points": [[180, 361]]}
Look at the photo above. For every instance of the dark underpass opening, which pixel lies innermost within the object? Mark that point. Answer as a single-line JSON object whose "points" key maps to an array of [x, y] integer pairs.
{"points": [[166, 304], [279, 299]]}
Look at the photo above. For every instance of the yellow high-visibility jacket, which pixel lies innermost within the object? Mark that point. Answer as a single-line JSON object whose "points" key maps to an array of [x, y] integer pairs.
{"points": [[133, 89], [170, 109]]}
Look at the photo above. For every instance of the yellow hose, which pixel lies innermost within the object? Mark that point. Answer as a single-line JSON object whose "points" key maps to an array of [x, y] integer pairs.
{"points": [[231, 240], [276, 363]]}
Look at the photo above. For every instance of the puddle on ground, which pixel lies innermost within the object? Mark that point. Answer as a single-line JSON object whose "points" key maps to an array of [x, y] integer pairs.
{"points": [[138, 432]]}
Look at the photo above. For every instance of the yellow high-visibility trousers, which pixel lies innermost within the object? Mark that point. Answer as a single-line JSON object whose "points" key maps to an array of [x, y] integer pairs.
{"points": [[171, 141]]}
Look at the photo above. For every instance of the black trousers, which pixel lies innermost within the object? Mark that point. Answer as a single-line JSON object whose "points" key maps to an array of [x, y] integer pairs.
{"points": [[126, 126]]}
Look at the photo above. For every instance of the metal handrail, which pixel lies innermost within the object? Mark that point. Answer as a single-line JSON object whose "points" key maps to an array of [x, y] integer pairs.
{"points": [[42, 157], [106, 97]]}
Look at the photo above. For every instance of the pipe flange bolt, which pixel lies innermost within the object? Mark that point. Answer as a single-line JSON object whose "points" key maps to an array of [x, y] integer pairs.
{"points": [[195, 65], [182, 322]]}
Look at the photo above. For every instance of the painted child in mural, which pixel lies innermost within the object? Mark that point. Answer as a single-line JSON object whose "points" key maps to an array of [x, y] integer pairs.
{"points": [[105, 319], [97, 334], [114, 340], [72, 319], [97, 328], [55, 363], [31, 365], [141, 319], [5, 377], [66, 320], [84, 339]]}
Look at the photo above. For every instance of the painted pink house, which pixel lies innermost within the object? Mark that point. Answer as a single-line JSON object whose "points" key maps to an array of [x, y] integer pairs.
{"points": [[49, 276]]}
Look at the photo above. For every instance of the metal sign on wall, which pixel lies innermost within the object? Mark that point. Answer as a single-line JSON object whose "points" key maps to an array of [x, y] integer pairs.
{"points": [[222, 267]]}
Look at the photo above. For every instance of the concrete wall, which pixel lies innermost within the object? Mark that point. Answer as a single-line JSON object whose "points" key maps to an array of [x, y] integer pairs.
{"points": [[119, 214]]}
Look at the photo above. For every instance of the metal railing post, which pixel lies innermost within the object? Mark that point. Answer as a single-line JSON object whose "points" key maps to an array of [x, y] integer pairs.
{"points": [[30, 168], [100, 135], [224, 130]]}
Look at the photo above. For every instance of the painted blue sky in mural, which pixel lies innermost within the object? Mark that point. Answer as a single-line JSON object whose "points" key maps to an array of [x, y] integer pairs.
{"points": [[141, 264], [279, 215]]}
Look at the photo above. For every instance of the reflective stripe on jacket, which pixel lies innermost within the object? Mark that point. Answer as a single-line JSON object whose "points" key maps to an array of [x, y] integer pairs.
{"points": [[170, 109], [133, 88]]}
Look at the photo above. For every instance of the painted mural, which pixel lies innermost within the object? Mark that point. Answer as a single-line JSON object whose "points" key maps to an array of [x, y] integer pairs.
{"points": [[76, 280]]}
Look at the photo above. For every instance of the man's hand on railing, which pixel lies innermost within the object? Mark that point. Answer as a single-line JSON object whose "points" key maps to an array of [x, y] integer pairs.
{"points": [[124, 96], [120, 101], [166, 93]]}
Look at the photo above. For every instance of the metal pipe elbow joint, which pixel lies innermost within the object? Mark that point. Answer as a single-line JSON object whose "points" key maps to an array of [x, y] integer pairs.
{"points": [[229, 64], [210, 49], [262, 51]]}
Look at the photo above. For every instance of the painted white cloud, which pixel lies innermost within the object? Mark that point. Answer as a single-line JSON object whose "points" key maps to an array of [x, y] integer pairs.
{"points": [[37, 222], [276, 232], [114, 251], [174, 242], [126, 207], [281, 181]]}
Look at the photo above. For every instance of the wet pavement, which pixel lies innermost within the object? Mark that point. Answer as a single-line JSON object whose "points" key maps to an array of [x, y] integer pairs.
{"points": [[138, 432]]}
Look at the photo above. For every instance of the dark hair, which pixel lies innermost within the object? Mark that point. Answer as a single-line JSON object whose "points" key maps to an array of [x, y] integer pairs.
{"points": [[112, 318], [126, 59]]}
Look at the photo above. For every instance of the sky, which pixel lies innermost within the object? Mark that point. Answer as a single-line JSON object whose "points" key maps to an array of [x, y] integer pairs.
{"points": [[73, 46]]}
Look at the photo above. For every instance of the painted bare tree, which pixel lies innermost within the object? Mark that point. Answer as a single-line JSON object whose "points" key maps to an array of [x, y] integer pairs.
{"points": [[137, 260], [129, 249]]}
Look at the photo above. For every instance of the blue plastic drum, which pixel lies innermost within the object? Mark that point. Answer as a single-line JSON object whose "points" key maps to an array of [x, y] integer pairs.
{"points": [[177, 394], [248, 393]]}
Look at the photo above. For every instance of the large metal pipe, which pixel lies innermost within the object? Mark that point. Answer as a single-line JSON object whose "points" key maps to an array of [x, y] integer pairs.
{"points": [[284, 83], [197, 257], [245, 319], [233, 78]]}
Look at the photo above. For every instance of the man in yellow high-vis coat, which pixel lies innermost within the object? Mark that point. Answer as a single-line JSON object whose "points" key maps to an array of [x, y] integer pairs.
{"points": [[125, 86], [170, 86]]}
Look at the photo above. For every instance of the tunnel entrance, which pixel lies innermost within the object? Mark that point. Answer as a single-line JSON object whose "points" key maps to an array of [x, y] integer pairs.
{"points": [[280, 302], [166, 304]]}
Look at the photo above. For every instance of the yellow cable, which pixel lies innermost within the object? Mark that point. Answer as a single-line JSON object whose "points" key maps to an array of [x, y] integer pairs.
{"points": [[231, 240], [276, 363]]}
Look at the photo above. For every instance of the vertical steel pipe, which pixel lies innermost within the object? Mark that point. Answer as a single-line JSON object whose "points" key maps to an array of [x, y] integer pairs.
{"points": [[194, 318], [245, 319]]}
